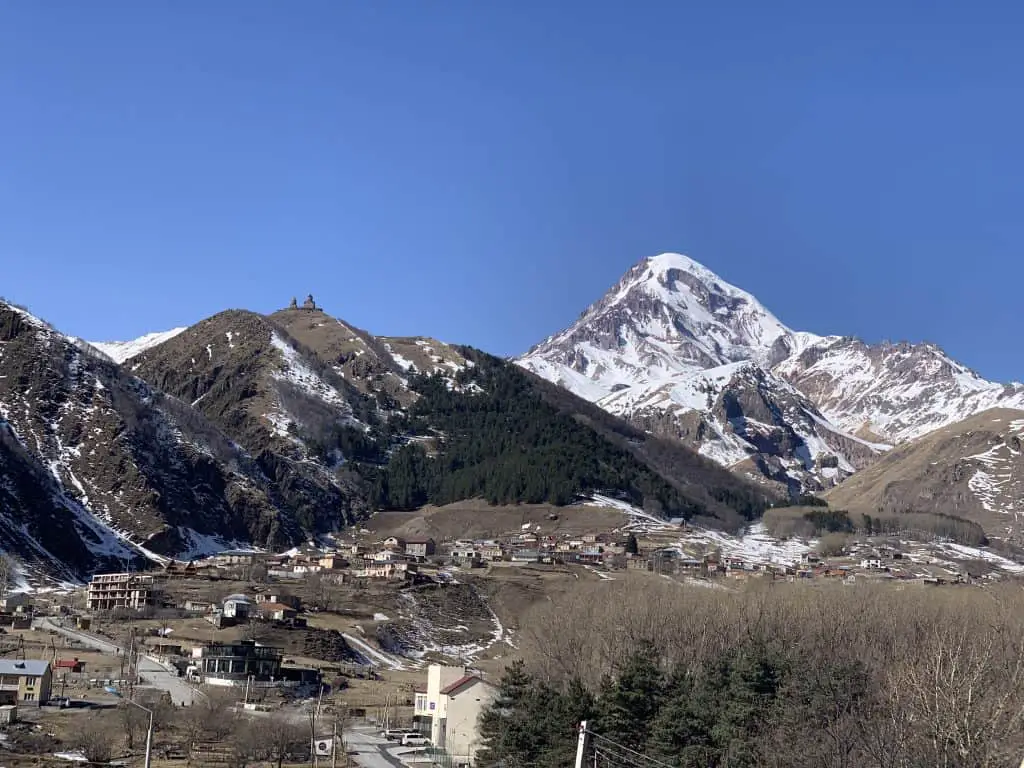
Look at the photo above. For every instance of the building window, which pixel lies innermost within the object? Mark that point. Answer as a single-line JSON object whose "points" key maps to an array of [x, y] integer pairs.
{"points": [[28, 697]]}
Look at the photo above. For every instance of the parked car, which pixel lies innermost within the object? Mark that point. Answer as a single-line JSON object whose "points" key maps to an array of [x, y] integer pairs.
{"points": [[397, 734], [414, 740]]}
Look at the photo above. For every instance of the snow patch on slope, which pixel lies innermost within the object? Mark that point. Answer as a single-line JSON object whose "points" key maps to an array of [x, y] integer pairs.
{"points": [[119, 351]]}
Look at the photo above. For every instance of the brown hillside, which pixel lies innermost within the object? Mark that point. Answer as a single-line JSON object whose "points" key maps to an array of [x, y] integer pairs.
{"points": [[973, 469]]}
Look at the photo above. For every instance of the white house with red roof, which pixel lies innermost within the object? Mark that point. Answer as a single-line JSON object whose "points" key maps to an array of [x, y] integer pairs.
{"points": [[452, 704]]}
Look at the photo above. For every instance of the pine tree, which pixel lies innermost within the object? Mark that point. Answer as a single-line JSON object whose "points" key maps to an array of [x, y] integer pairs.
{"points": [[753, 683], [562, 718], [511, 729], [630, 702], [681, 731]]}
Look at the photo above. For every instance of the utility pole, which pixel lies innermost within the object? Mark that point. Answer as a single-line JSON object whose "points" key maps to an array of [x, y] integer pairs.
{"points": [[581, 744], [334, 745]]}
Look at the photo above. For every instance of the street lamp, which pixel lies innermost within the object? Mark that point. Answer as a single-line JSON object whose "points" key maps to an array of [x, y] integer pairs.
{"points": [[149, 731]]}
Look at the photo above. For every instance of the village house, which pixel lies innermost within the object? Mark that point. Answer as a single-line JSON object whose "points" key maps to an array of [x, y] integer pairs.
{"points": [[15, 601], [332, 562], [175, 568], [394, 542], [228, 664], [275, 611], [590, 556], [194, 605], [419, 547], [490, 551], [466, 553], [388, 570], [871, 562], [389, 556], [234, 558], [285, 572], [291, 601], [237, 607], [638, 563], [526, 556], [25, 681], [450, 710]]}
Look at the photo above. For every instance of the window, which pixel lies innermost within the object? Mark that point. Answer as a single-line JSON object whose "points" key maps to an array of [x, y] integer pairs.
{"points": [[28, 697]]}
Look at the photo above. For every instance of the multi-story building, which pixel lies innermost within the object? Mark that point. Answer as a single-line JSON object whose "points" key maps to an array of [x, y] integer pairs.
{"points": [[450, 710], [108, 591], [235, 663], [25, 681], [420, 547]]}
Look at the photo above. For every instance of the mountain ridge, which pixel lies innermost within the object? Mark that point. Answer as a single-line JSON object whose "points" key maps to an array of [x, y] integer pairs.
{"points": [[248, 429], [671, 344]]}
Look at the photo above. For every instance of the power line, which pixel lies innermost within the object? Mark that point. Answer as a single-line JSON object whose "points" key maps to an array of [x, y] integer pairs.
{"points": [[606, 759], [646, 761]]}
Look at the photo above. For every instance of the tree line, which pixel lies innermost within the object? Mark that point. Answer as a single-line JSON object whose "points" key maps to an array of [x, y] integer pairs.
{"points": [[776, 676], [491, 434]]}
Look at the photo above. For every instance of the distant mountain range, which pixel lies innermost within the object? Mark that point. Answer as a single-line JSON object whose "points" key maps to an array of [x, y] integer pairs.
{"points": [[266, 430], [677, 350], [675, 391]]}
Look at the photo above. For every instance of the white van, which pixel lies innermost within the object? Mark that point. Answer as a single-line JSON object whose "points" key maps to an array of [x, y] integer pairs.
{"points": [[414, 740]]}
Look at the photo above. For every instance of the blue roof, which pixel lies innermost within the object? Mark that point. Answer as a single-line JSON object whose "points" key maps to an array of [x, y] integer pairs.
{"points": [[31, 667]]}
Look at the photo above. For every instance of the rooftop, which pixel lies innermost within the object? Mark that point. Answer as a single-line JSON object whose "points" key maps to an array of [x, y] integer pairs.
{"points": [[462, 682], [31, 667]]}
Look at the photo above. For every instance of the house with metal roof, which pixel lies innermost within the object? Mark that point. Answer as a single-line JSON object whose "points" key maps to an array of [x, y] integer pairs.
{"points": [[25, 681]]}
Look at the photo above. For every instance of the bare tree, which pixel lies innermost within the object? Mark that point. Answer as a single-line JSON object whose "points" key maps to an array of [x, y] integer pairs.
{"points": [[281, 738], [95, 738]]}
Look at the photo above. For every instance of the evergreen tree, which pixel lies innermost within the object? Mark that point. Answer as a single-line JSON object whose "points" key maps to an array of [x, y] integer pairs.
{"points": [[561, 718], [753, 682], [681, 731], [630, 701], [511, 729]]}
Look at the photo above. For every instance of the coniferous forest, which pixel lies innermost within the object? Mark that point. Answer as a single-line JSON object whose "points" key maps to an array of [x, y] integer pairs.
{"points": [[495, 435]]}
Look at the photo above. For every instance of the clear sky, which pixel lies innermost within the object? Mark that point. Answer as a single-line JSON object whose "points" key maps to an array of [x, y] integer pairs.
{"points": [[481, 171]]}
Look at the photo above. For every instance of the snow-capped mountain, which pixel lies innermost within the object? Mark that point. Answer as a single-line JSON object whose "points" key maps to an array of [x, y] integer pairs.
{"points": [[668, 315], [892, 392], [119, 351], [677, 350]]}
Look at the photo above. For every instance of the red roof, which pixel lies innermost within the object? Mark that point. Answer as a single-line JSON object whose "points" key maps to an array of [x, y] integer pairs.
{"points": [[460, 683]]}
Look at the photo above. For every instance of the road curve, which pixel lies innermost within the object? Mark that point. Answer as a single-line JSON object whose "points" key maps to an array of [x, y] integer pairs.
{"points": [[154, 674]]}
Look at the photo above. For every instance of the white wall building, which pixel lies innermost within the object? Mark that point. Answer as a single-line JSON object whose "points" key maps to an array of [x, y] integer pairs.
{"points": [[453, 702]]}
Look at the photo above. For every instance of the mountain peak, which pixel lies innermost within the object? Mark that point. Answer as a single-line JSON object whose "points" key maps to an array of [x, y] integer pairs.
{"points": [[668, 314], [664, 263]]}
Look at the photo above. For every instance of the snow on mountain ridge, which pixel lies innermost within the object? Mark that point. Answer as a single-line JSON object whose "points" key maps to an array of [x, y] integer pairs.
{"points": [[678, 350], [677, 314], [119, 351], [897, 391]]}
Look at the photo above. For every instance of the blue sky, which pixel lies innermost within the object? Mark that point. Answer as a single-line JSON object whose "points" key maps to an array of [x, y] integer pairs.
{"points": [[480, 171]]}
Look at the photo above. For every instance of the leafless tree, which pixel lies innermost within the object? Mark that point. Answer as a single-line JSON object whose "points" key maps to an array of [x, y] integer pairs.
{"points": [[95, 737], [280, 738]]}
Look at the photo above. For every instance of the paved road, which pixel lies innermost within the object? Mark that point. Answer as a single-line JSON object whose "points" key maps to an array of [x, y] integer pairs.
{"points": [[154, 674], [371, 751]]}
